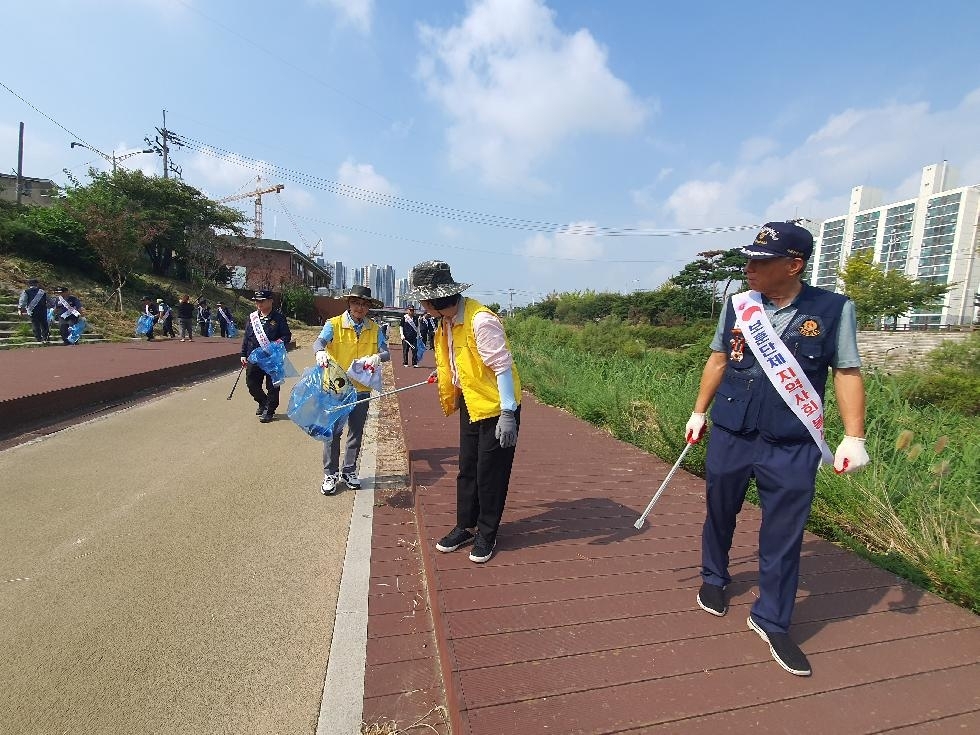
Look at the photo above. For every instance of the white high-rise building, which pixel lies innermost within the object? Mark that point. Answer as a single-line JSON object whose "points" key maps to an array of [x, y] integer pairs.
{"points": [[339, 284], [933, 237]]}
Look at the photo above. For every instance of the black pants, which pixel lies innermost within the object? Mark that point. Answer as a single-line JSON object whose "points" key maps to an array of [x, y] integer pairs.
{"points": [[168, 327], [484, 474], [224, 327], [406, 348], [39, 325], [64, 325], [254, 375]]}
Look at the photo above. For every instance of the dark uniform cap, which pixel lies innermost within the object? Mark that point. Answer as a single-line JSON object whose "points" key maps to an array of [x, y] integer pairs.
{"points": [[61, 289], [262, 294], [780, 240], [32, 282]]}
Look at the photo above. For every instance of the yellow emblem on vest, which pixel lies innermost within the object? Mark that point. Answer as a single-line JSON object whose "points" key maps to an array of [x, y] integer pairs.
{"points": [[810, 328]]}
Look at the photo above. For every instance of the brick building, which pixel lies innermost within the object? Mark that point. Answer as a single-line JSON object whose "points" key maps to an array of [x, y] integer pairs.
{"points": [[265, 263]]}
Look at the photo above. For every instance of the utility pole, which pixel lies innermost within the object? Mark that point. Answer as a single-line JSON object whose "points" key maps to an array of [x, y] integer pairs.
{"points": [[161, 145], [165, 149], [20, 163], [510, 309]]}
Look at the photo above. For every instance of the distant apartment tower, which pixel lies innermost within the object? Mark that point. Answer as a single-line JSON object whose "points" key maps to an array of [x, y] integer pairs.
{"points": [[339, 283], [402, 287], [933, 237]]}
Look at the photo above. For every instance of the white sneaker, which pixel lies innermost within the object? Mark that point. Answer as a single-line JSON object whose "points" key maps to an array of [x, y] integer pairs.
{"points": [[350, 479], [329, 486]]}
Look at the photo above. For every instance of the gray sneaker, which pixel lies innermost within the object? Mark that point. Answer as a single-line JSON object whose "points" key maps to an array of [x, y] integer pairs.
{"points": [[350, 479]]}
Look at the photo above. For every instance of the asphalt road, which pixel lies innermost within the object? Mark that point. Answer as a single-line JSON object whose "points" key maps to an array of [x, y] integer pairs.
{"points": [[170, 568]]}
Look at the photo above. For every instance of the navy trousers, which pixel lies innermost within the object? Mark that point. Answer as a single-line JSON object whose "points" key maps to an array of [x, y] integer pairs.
{"points": [[785, 475]]}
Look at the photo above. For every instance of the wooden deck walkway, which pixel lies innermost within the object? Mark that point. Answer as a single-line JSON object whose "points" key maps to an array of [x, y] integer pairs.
{"points": [[582, 624]]}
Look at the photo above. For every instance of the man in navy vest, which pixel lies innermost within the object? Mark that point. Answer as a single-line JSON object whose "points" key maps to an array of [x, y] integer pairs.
{"points": [[767, 423], [34, 302]]}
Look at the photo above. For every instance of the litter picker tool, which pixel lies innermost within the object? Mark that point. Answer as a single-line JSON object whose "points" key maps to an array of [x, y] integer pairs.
{"points": [[430, 380], [656, 497], [236, 382]]}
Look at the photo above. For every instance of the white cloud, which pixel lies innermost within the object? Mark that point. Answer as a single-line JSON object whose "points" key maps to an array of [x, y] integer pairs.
{"points": [[354, 13], [362, 176], [516, 87], [565, 245], [884, 147]]}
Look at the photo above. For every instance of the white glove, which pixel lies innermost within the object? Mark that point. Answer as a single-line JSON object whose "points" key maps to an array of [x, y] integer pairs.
{"points": [[850, 455], [244, 361], [695, 428], [372, 361], [321, 358]]}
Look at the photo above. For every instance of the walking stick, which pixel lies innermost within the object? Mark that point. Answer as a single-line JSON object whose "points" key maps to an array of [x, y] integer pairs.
{"points": [[431, 379], [236, 382], [639, 521]]}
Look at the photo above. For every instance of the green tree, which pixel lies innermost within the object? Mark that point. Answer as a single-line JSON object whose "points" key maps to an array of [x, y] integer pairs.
{"points": [[298, 303], [877, 294], [182, 214], [712, 268], [116, 229]]}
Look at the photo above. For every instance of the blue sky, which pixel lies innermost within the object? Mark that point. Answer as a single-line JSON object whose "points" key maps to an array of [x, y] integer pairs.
{"points": [[505, 136]]}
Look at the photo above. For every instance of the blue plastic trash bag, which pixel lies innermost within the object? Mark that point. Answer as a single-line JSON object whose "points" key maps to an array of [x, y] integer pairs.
{"points": [[76, 329], [144, 324], [419, 350], [51, 319], [273, 362], [320, 399], [232, 329]]}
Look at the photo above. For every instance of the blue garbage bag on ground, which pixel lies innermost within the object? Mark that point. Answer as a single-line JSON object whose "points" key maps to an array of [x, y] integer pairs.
{"points": [[144, 324], [76, 329], [320, 401]]}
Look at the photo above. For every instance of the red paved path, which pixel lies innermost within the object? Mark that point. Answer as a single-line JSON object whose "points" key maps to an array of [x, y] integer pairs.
{"points": [[582, 624]]}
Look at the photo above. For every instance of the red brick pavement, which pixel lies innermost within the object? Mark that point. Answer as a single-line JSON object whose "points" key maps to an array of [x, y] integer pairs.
{"points": [[582, 624], [43, 384]]}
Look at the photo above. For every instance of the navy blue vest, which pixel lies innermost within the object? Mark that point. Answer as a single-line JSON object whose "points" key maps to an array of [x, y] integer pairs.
{"points": [[746, 400]]}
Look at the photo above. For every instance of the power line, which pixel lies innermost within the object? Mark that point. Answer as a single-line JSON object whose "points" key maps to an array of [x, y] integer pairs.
{"points": [[76, 136], [441, 211]]}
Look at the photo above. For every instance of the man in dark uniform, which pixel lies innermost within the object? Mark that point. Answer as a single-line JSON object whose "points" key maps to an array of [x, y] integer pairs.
{"points": [[149, 309], [204, 317], [224, 318], [34, 302], [771, 355], [68, 310], [408, 331], [166, 317], [274, 328]]}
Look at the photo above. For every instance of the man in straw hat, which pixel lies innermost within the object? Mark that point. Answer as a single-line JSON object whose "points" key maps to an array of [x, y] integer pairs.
{"points": [[771, 355], [352, 337], [477, 376]]}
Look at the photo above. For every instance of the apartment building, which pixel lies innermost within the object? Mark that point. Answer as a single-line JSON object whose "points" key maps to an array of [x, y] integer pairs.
{"points": [[932, 237]]}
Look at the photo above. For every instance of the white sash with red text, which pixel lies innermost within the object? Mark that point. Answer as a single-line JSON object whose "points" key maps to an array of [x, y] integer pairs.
{"points": [[781, 366]]}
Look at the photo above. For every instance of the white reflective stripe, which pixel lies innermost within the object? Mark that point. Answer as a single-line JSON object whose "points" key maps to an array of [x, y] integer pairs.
{"points": [[34, 302], [781, 366], [260, 334], [69, 309]]}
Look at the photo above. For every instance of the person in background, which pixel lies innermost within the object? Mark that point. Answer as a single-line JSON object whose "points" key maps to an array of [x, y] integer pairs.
{"points": [[274, 328], [408, 331], [771, 354], [68, 309], [185, 316], [224, 318], [34, 302], [204, 317], [477, 376], [166, 317], [149, 309], [350, 337]]}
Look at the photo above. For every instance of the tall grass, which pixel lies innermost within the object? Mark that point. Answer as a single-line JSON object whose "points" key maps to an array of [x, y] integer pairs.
{"points": [[914, 510]]}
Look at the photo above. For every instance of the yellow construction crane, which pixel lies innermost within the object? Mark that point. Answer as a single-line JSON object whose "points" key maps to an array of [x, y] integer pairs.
{"points": [[257, 193]]}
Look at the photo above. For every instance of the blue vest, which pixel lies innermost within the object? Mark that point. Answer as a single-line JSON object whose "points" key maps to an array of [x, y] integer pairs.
{"points": [[746, 400]]}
